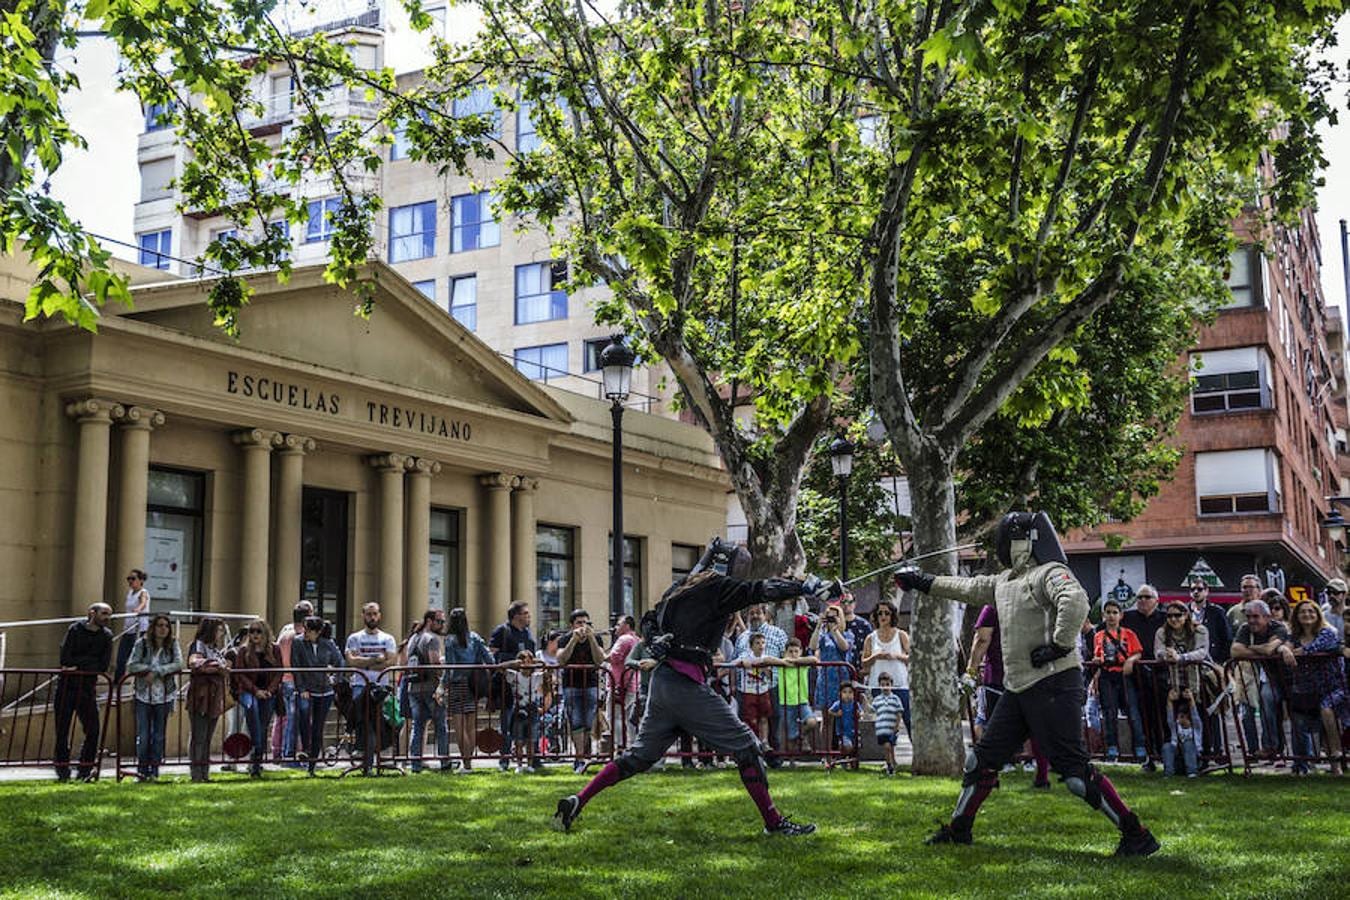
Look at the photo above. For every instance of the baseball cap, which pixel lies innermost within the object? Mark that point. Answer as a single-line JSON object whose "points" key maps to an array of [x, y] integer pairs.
{"points": [[1336, 584]]}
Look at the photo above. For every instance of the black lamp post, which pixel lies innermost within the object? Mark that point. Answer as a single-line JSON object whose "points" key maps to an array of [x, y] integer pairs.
{"points": [[1334, 522], [841, 460], [616, 363]]}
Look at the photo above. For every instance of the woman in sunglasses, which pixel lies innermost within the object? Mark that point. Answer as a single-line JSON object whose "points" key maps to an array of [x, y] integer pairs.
{"points": [[1183, 645], [155, 662], [257, 680]]}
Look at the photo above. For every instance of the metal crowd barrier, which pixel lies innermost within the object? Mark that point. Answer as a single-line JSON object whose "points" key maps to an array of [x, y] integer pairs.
{"points": [[1265, 701], [1151, 682], [29, 732]]}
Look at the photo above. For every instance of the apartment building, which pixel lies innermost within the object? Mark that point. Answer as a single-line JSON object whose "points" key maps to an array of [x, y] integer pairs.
{"points": [[1264, 439], [439, 232]]}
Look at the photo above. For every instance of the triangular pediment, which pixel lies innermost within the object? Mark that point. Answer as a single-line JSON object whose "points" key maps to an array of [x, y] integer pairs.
{"points": [[408, 341]]}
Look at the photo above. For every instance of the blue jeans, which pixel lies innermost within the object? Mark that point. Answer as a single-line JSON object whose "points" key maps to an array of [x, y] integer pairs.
{"points": [[582, 705], [1188, 755], [1272, 735], [257, 717], [150, 721], [1113, 687], [288, 729], [424, 707], [1307, 728]]}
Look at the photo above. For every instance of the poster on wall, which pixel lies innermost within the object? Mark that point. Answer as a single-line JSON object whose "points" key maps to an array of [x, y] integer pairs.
{"points": [[164, 563], [436, 571], [1121, 577]]}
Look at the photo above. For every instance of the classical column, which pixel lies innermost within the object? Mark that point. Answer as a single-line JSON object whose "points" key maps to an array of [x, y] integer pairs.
{"points": [[496, 540], [522, 540], [89, 539], [290, 490], [391, 467], [419, 534], [254, 533], [133, 486]]}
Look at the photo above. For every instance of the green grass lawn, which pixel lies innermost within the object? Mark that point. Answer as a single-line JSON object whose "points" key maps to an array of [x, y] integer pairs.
{"points": [[667, 834]]}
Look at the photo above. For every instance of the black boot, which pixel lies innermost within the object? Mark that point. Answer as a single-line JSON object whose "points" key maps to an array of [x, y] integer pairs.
{"points": [[1135, 839], [957, 831]]}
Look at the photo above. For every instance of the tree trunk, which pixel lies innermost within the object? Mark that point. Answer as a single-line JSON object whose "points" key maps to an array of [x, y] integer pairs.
{"points": [[44, 20], [939, 746], [773, 544]]}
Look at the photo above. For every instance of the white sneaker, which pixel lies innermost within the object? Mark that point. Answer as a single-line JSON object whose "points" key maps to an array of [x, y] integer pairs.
{"points": [[579, 767], [522, 769]]}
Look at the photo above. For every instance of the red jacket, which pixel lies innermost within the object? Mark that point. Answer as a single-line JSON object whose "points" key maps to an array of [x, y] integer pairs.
{"points": [[1126, 645]]}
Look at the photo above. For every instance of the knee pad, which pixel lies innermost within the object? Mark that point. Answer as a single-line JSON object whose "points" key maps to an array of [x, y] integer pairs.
{"points": [[750, 764], [1086, 787], [973, 774]]}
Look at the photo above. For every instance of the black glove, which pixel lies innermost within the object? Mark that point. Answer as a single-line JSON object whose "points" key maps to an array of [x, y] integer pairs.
{"points": [[823, 591], [912, 578], [1045, 654], [782, 588]]}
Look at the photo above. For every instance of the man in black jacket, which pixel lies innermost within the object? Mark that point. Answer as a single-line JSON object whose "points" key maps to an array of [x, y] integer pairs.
{"points": [[685, 630], [86, 652]]}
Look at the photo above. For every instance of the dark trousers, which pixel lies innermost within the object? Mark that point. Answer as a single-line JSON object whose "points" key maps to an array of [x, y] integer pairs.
{"points": [[76, 696], [312, 714], [124, 648], [1051, 713], [1152, 708]]}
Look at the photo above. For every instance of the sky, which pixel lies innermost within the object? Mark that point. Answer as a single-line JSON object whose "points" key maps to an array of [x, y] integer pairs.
{"points": [[100, 184]]}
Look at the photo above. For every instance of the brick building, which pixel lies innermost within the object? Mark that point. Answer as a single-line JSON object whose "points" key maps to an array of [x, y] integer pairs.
{"points": [[1264, 437]]}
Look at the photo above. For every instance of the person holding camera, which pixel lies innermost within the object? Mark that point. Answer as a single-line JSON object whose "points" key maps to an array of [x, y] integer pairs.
{"points": [[580, 651], [684, 632], [832, 644]]}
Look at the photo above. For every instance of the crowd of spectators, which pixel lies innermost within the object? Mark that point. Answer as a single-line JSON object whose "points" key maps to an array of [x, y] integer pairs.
{"points": [[1161, 669], [804, 689]]}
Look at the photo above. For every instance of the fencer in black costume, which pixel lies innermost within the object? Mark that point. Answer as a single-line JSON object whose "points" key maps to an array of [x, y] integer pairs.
{"points": [[683, 631], [1041, 607]]}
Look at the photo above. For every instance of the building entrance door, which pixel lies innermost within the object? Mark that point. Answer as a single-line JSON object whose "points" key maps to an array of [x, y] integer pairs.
{"points": [[323, 555]]}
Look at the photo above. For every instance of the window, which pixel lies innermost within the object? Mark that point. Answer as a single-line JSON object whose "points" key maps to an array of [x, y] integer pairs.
{"points": [[428, 288], [363, 56], [156, 116], [527, 140], [632, 577], [156, 179], [479, 102], [281, 229], [321, 215], [539, 292], [1237, 481], [280, 100], [1244, 278], [590, 356], [1226, 380], [543, 362], [412, 231], [472, 226], [682, 559], [173, 538], [155, 248], [464, 300], [554, 566], [444, 560], [225, 234], [437, 14], [402, 146], [869, 131]]}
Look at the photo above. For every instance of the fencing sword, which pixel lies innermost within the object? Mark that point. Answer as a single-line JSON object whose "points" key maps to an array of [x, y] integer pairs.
{"points": [[905, 562]]}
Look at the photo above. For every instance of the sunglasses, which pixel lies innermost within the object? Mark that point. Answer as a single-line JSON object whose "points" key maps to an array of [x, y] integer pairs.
{"points": [[1176, 615], [1199, 590], [132, 578], [255, 631]]}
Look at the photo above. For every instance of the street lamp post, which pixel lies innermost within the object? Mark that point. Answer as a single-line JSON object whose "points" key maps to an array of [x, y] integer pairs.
{"points": [[841, 460], [616, 364]]}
